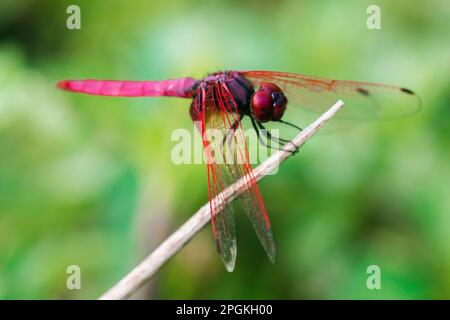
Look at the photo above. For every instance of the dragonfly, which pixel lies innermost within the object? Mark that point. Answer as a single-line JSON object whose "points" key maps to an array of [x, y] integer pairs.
{"points": [[221, 100]]}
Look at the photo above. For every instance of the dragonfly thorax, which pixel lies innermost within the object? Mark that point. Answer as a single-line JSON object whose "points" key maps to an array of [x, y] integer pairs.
{"points": [[268, 103], [226, 86]]}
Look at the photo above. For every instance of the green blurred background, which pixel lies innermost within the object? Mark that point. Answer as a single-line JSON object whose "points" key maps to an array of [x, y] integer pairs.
{"points": [[89, 180]]}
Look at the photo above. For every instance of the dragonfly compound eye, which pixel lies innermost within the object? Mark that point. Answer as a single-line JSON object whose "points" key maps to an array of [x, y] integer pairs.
{"points": [[279, 105], [268, 103], [262, 106]]}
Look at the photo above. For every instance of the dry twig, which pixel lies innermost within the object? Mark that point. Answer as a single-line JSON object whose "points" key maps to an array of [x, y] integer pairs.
{"points": [[150, 265]]}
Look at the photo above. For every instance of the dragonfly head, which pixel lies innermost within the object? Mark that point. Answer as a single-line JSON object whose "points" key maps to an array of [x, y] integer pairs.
{"points": [[268, 103]]}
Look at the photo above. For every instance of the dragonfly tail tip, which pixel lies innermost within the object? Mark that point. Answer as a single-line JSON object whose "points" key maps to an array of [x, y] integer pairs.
{"points": [[63, 85]]}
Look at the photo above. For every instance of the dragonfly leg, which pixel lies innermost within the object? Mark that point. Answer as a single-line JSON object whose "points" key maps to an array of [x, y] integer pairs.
{"points": [[260, 138], [278, 139], [281, 141], [290, 124]]}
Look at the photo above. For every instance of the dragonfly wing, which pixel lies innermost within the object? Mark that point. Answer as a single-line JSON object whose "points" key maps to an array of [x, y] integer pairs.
{"points": [[254, 207], [362, 100], [222, 217], [231, 162]]}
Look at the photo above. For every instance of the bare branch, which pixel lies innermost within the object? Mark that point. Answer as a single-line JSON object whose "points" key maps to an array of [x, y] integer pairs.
{"points": [[150, 265]]}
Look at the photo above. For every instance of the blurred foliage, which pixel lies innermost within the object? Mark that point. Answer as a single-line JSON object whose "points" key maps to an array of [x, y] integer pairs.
{"points": [[89, 181]]}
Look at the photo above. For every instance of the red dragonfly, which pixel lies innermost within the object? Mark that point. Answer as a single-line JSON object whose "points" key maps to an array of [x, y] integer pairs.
{"points": [[221, 100]]}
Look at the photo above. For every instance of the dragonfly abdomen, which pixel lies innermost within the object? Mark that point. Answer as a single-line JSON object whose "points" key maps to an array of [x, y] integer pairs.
{"points": [[181, 87]]}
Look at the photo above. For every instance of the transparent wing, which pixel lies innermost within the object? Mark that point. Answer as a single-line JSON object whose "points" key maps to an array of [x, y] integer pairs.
{"points": [[362, 100], [222, 217], [227, 161]]}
